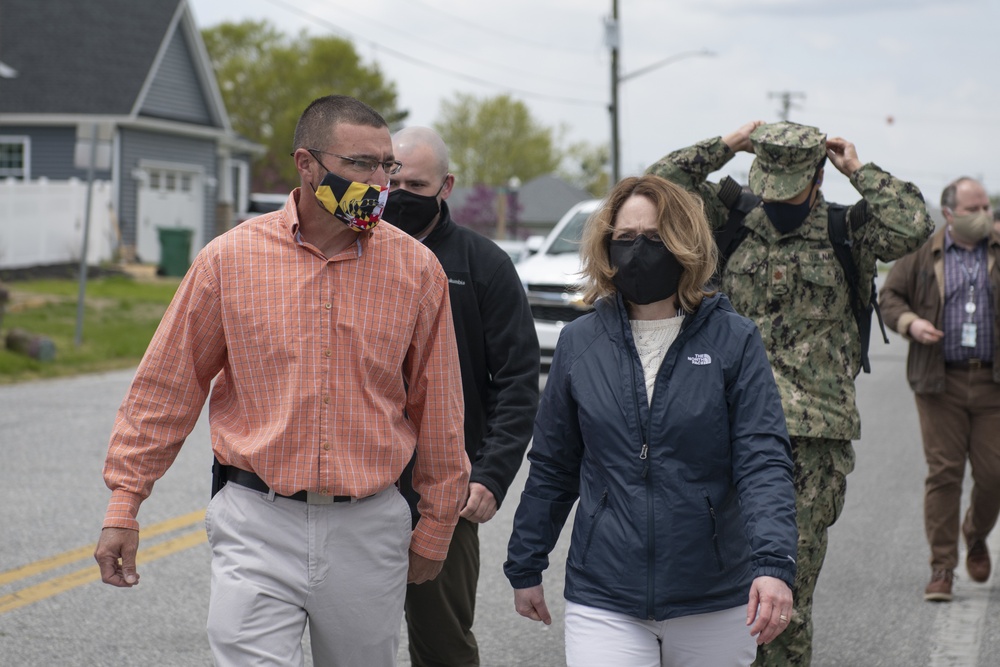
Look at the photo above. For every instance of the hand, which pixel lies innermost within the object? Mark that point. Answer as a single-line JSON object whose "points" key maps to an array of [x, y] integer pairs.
{"points": [[115, 555], [922, 331], [769, 609], [530, 603], [843, 155], [739, 140], [422, 569], [480, 506]]}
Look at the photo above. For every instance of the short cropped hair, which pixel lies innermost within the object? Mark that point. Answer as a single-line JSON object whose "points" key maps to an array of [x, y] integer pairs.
{"points": [[949, 196], [323, 114], [682, 227]]}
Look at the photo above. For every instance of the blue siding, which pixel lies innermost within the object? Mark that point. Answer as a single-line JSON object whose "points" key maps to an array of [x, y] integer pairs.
{"points": [[138, 145], [176, 92], [52, 152]]}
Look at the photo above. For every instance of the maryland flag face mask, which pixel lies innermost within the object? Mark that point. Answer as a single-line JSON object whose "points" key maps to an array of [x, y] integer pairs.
{"points": [[357, 205]]}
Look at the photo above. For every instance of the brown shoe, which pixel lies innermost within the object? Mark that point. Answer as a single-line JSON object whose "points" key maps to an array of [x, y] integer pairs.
{"points": [[939, 590], [977, 562]]}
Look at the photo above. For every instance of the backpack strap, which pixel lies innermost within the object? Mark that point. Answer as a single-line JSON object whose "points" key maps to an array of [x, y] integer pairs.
{"points": [[859, 216], [740, 202], [840, 240]]}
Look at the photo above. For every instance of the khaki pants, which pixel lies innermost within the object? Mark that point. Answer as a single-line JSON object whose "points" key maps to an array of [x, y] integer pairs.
{"points": [[961, 424], [279, 563]]}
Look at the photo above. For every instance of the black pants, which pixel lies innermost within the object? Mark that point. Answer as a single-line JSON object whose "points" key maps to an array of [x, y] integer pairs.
{"points": [[440, 613]]}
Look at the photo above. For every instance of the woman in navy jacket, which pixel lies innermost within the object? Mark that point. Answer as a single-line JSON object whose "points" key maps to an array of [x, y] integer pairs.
{"points": [[661, 416]]}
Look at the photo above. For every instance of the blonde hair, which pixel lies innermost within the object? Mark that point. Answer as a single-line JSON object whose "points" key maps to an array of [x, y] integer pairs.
{"points": [[682, 227]]}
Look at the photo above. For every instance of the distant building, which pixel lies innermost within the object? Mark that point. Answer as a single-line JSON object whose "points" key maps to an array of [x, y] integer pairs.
{"points": [[139, 71], [539, 204]]}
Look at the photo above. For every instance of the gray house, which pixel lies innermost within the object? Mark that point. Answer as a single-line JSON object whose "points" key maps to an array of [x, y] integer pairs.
{"points": [[540, 203], [135, 74], [543, 201]]}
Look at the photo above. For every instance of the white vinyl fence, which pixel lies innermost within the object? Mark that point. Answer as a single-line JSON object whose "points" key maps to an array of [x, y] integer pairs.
{"points": [[41, 222]]}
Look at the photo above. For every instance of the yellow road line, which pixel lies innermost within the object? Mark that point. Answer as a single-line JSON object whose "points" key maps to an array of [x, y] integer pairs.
{"points": [[72, 580], [46, 564]]}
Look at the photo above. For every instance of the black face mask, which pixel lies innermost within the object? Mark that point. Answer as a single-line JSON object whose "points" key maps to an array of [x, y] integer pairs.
{"points": [[789, 217], [785, 217], [647, 270], [411, 212]]}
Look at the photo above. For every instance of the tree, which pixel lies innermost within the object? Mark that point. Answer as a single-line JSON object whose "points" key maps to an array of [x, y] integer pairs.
{"points": [[479, 212], [590, 167], [494, 139], [267, 79]]}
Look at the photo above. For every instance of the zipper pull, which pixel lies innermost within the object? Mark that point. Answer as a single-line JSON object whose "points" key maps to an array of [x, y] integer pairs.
{"points": [[644, 452]]}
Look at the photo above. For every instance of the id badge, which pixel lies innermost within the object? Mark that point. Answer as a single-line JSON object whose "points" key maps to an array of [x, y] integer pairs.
{"points": [[969, 334]]}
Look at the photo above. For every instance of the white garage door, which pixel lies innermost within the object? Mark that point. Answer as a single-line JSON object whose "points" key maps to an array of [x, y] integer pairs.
{"points": [[172, 198]]}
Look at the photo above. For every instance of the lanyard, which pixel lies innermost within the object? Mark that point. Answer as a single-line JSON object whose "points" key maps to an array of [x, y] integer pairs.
{"points": [[972, 275]]}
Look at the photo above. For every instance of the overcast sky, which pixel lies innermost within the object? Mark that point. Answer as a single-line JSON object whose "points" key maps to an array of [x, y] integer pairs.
{"points": [[913, 83]]}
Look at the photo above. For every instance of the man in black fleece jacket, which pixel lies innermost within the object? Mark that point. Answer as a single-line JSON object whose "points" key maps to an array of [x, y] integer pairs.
{"points": [[498, 353]]}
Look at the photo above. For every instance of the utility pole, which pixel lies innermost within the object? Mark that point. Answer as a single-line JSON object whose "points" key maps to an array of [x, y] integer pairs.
{"points": [[612, 37], [786, 97], [78, 334], [92, 154]]}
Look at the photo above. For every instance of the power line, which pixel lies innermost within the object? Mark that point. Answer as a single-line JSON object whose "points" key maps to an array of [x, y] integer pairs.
{"points": [[463, 56], [434, 67], [896, 118], [548, 46]]}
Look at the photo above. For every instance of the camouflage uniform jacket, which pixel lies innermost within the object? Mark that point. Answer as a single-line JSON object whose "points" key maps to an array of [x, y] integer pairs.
{"points": [[794, 289]]}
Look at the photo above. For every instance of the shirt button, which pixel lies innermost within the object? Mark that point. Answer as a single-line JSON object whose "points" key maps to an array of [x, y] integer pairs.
{"points": [[325, 446], [326, 399], [327, 353], [328, 306], [325, 492]]}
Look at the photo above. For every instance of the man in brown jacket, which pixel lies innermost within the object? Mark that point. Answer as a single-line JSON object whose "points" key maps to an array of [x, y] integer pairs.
{"points": [[944, 298]]}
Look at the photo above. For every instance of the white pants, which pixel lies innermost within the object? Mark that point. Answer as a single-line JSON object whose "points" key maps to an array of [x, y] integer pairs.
{"points": [[278, 563], [598, 638]]}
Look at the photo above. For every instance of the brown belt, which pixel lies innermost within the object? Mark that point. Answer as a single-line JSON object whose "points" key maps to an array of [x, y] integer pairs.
{"points": [[969, 364]]}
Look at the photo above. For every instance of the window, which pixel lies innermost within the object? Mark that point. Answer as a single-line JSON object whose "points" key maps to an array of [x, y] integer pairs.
{"points": [[14, 161]]}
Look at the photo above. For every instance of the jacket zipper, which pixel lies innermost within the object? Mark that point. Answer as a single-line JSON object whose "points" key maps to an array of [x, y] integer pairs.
{"points": [[596, 517], [715, 533], [644, 457]]}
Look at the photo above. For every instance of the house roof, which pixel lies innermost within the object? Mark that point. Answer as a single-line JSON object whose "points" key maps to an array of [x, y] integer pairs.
{"points": [[79, 57], [96, 58], [541, 201], [546, 198]]}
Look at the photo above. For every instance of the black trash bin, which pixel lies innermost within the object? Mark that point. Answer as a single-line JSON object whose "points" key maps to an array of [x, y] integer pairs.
{"points": [[175, 250], [4, 297]]}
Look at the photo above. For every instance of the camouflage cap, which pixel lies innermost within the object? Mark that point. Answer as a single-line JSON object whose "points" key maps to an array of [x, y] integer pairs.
{"points": [[787, 157]]}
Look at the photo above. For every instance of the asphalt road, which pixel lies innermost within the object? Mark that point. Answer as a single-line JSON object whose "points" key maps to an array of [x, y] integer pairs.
{"points": [[869, 609]]}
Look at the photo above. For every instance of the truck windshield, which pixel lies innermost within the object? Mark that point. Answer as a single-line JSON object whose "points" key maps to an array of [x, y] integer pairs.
{"points": [[569, 238]]}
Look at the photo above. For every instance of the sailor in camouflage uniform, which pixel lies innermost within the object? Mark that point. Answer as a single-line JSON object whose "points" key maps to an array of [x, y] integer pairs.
{"points": [[786, 278]]}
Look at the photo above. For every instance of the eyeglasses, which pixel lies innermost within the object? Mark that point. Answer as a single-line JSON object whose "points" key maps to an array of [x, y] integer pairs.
{"points": [[391, 167]]}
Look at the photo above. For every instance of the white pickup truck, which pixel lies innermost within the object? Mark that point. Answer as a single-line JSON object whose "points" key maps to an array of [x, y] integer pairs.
{"points": [[552, 280]]}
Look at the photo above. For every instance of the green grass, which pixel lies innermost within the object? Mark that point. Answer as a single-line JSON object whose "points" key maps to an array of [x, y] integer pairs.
{"points": [[120, 316]]}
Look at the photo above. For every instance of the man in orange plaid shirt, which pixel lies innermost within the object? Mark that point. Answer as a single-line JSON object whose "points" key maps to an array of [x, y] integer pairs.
{"points": [[331, 347]]}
